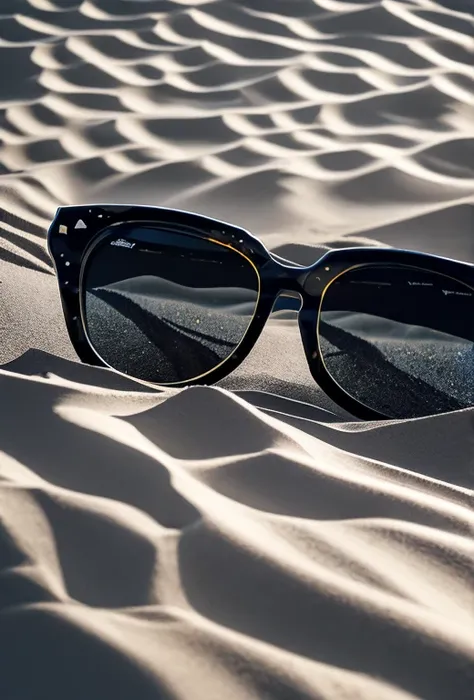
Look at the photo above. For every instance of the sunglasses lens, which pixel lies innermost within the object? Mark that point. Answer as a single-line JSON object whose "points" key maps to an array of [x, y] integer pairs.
{"points": [[399, 340], [165, 306]]}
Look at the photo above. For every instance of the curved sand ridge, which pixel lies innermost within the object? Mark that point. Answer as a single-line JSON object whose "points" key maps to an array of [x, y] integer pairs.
{"points": [[200, 543], [368, 105], [172, 569]]}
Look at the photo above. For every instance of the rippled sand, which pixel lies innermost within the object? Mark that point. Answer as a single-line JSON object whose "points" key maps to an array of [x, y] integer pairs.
{"points": [[251, 541]]}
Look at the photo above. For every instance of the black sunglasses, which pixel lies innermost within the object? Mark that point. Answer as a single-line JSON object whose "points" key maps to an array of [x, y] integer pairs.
{"points": [[174, 298]]}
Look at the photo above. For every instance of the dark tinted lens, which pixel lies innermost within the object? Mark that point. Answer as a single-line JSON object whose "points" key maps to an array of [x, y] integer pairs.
{"points": [[166, 307], [400, 340]]}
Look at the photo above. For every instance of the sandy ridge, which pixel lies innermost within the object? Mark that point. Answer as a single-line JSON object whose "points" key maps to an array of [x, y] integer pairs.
{"points": [[223, 98]]}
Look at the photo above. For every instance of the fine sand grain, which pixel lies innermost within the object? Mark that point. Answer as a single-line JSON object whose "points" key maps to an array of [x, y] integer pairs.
{"points": [[251, 540]]}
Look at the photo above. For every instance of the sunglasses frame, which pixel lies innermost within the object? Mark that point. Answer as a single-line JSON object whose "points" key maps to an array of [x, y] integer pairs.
{"points": [[76, 230]]}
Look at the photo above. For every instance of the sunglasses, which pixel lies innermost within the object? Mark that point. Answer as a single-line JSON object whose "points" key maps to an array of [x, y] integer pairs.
{"points": [[175, 298]]}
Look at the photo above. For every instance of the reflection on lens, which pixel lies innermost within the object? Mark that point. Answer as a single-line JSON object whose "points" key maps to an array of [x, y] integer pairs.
{"points": [[400, 340], [166, 307]]}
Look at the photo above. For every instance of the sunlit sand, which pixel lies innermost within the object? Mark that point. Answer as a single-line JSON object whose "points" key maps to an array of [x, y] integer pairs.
{"points": [[251, 540]]}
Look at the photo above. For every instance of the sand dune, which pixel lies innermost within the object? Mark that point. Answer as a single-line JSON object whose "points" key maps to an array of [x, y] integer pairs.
{"points": [[148, 286], [130, 99], [252, 540]]}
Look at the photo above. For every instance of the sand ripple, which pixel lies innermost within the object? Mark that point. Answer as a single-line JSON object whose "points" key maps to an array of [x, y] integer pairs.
{"points": [[252, 562], [204, 544], [199, 104]]}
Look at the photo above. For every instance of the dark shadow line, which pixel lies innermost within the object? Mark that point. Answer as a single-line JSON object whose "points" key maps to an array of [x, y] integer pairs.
{"points": [[35, 249], [18, 222], [198, 334], [158, 333], [356, 348], [11, 257]]}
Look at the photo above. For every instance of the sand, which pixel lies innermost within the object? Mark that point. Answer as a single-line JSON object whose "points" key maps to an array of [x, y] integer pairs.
{"points": [[250, 540]]}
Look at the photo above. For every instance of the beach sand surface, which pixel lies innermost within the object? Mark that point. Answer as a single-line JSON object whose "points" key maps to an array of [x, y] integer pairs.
{"points": [[250, 540]]}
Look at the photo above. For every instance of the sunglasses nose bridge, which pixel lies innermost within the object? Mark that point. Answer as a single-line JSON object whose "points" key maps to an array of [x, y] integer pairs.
{"points": [[286, 286], [287, 300]]}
